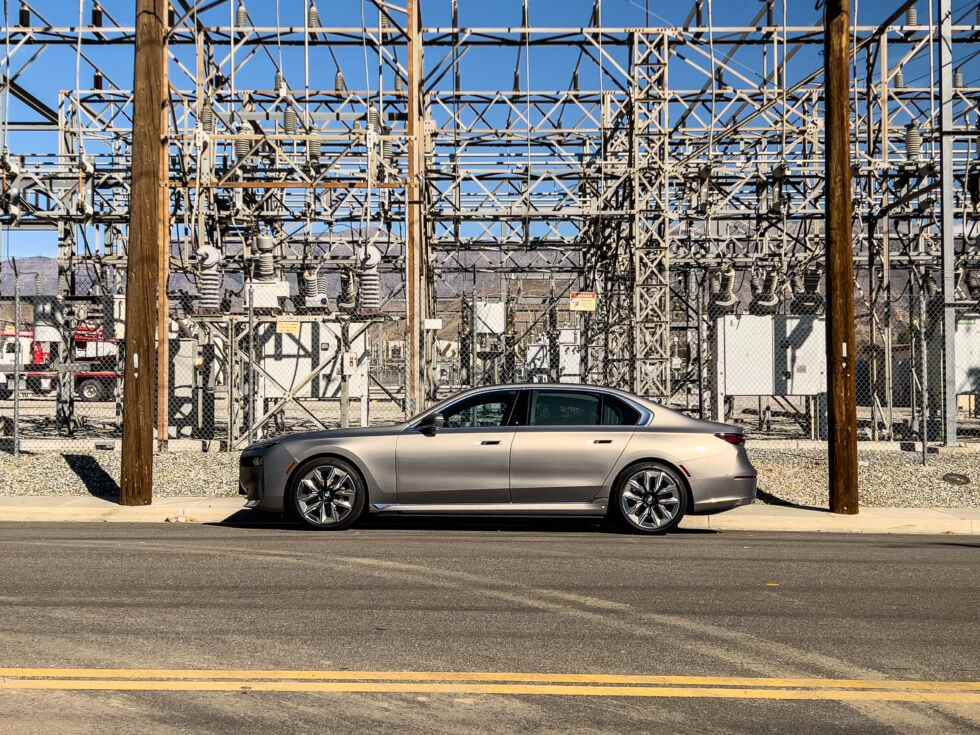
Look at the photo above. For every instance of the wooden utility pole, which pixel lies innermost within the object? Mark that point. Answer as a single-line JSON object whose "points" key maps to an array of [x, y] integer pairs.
{"points": [[415, 246], [143, 256], [841, 345], [163, 270]]}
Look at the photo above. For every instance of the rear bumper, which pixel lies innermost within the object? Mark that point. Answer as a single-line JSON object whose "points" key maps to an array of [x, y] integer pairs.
{"points": [[721, 483], [739, 491]]}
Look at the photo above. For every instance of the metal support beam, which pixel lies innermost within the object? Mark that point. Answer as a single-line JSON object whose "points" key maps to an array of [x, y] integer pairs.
{"points": [[948, 254], [143, 267]]}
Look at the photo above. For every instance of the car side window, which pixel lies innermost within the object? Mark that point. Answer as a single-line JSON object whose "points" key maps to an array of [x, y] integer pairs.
{"points": [[557, 408], [617, 413], [480, 411]]}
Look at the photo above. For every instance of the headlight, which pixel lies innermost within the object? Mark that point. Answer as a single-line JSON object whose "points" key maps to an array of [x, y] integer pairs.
{"points": [[257, 460]]}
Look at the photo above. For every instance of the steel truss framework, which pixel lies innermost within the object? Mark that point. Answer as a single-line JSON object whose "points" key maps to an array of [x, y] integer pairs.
{"points": [[672, 156]]}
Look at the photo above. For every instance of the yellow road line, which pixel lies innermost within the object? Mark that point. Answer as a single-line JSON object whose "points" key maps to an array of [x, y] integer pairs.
{"points": [[565, 690], [476, 676]]}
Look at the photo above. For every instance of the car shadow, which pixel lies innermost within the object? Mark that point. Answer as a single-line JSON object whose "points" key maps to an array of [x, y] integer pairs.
{"points": [[377, 522], [770, 499]]}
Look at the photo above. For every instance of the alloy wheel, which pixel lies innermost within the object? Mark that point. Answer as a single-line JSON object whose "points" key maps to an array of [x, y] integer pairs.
{"points": [[325, 495], [650, 499]]}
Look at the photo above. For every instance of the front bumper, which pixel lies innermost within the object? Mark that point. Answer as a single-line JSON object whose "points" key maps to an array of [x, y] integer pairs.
{"points": [[251, 476]]}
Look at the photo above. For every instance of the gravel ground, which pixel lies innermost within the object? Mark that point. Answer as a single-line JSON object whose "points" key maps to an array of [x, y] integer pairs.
{"points": [[886, 478], [97, 473], [797, 476]]}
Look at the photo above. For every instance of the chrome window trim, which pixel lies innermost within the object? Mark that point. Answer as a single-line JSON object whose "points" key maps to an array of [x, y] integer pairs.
{"points": [[465, 396], [646, 415]]}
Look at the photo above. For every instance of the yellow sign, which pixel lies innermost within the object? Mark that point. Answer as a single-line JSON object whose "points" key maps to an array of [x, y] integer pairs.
{"points": [[284, 326], [582, 300]]}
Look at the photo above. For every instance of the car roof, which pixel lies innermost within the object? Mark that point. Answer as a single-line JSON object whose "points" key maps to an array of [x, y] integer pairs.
{"points": [[644, 402]]}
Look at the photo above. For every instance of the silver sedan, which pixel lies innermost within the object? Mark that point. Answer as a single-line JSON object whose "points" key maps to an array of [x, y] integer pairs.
{"points": [[548, 450]]}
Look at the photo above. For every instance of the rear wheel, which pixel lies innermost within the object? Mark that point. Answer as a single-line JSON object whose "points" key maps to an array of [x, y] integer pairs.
{"points": [[651, 498], [90, 390], [328, 494]]}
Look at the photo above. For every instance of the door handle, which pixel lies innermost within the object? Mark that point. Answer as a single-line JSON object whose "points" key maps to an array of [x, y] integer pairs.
{"points": [[490, 442], [602, 441]]}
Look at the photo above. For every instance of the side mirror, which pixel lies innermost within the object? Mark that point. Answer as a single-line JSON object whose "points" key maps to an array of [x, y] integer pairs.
{"points": [[432, 424]]}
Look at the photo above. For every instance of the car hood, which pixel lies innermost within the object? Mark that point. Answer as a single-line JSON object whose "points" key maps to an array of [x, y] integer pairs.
{"points": [[343, 433]]}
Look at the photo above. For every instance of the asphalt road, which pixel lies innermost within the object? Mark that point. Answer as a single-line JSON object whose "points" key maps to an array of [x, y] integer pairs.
{"points": [[232, 614]]}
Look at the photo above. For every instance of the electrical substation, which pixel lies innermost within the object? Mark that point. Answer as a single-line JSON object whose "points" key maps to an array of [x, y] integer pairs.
{"points": [[360, 219]]}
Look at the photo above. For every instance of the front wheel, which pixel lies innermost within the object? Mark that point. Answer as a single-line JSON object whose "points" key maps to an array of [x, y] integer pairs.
{"points": [[329, 494], [650, 498]]}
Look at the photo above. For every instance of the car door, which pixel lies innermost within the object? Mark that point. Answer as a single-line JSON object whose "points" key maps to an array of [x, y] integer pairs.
{"points": [[466, 461], [568, 447]]}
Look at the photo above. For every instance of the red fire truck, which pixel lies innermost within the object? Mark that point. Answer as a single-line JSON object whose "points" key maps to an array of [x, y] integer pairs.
{"points": [[42, 351]]}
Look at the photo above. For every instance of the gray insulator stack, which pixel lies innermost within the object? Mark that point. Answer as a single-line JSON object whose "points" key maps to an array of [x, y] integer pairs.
{"points": [[912, 16], [207, 118], [898, 81], [369, 280], [313, 148], [242, 147], [959, 80], [369, 290], [242, 17], [266, 270], [290, 121], [339, 82], [811, 281], [386, 24], [374, 119], [208, 278], [313, 18], [308, 284], [322, 287], [345, 300], [386, 150], [279, 82], [209, 286], [913, 142]]}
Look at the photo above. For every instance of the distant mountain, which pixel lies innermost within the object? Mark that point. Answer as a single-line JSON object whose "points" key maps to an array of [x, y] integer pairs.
{"points": [[45, 282]]}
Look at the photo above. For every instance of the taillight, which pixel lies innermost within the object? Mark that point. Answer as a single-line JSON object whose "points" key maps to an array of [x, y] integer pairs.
{"points": [[733, 438]]}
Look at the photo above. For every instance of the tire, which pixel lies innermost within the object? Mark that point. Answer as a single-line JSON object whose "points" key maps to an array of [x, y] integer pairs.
{"points": [[649, 498], [319, 490], [90, 390]]}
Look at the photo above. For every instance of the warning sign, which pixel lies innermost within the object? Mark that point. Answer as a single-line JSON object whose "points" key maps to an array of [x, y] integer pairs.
{"points": [[284, 326], [582, 300]]}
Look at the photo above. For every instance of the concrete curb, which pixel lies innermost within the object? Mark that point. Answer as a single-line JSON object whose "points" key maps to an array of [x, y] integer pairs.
{"points": [[85, 509], [758, 517]]}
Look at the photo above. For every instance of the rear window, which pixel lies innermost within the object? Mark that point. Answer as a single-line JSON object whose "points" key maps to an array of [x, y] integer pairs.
{"points": [[617, 413], [553, 408]]}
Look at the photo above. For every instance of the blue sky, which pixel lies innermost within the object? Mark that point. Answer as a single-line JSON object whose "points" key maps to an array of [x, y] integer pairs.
{"points": [[487, 69]]}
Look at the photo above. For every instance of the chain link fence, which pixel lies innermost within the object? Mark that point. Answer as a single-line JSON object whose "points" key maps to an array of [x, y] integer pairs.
{"points": [[234, 378]]}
